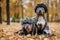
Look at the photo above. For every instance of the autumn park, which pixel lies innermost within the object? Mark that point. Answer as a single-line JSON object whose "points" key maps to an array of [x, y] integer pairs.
{"points": [[12, 11]]}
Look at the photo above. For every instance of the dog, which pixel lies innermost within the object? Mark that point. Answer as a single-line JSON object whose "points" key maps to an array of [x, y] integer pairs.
{"points": [[27, 26], [40, 21], [42, 27], [38, 24]]}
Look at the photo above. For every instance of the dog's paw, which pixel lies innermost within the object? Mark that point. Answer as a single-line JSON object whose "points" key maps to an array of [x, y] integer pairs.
{"points": [[50, 35]]}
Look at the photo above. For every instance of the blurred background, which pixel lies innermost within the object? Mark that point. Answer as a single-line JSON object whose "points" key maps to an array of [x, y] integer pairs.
{"points": [[14, 10]]}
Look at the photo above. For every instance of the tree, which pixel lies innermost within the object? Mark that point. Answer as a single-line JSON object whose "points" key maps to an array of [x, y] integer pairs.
{"points": [[0, 0], [0, 14], [22, 8], [8, 12]]}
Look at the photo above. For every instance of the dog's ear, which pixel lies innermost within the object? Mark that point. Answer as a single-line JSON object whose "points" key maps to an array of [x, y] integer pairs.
{"points": [[24, 20]]}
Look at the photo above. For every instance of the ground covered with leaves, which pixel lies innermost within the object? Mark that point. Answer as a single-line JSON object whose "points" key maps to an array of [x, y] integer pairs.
{"points": [[7, 32]]}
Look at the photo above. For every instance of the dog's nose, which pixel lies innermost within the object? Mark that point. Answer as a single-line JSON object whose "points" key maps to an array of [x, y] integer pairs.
{"points": [[40, 11]]}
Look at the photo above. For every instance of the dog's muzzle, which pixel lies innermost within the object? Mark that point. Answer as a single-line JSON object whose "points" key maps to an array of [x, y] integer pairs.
{"points": [[28, 27], [40, 13]]}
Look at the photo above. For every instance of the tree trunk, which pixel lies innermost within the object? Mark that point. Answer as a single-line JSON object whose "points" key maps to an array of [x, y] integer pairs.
{"points": [[0, 0], [0, 15], [8, 12], [22, 9]]}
